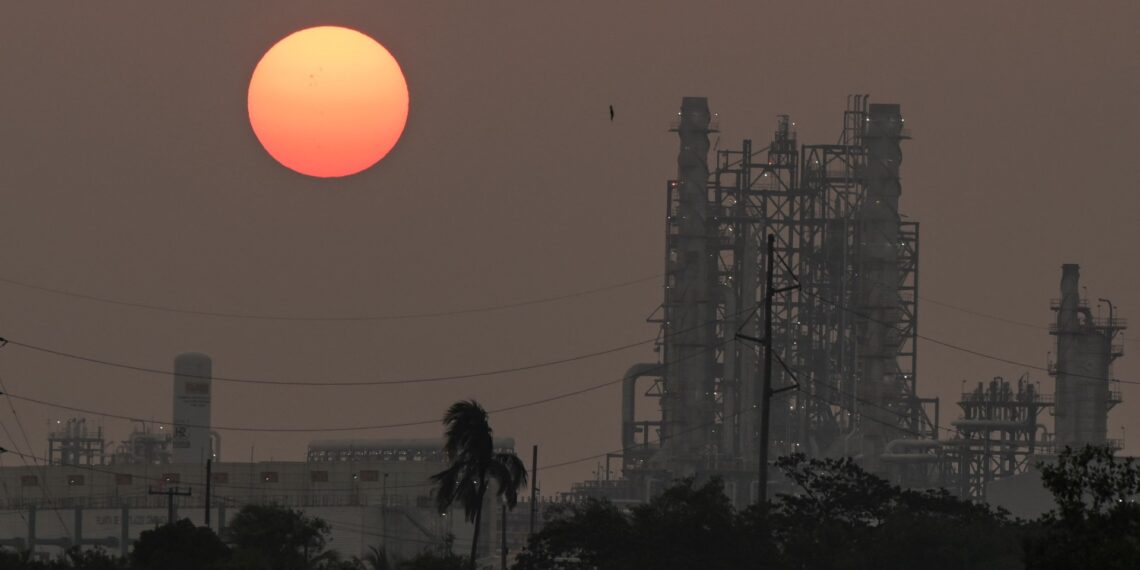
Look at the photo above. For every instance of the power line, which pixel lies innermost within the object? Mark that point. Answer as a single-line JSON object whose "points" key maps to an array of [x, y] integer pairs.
{"points": [[997, 318], [959, 348], [739, 413], [370, 531], [413, 423], [28, 443], [4, 482], [240, 486], [390, 381], [280, 382], [983, 315], [342, 318]]}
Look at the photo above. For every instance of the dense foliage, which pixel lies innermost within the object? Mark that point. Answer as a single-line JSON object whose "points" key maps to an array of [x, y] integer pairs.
{"points": [[840, 517], [74, 558], [259, 538], [685, 527], [836, 517], [275, 538], [178, 546], [844, 517], [1097, 521]]}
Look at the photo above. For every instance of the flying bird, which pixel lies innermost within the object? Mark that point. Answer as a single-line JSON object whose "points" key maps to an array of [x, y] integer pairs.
{"points": [[611, 113]]}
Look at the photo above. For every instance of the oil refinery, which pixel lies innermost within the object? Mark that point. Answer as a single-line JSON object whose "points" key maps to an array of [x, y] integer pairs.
{"points": [[788, 323], [841, 277]]}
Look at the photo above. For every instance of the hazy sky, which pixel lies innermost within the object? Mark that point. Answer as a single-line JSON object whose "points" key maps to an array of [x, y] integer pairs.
{"points": [[129, 171]]}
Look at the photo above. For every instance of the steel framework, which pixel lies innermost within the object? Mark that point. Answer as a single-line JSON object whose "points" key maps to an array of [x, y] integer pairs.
{"points": [[845, 339], [999, 435]]}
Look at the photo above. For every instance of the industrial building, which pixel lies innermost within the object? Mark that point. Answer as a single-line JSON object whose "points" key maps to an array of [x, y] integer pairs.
{"points": [[92, 493], [843, 275]]}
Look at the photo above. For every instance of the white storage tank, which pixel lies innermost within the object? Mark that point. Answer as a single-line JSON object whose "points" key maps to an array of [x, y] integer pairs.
{"points": [[191, 438]]}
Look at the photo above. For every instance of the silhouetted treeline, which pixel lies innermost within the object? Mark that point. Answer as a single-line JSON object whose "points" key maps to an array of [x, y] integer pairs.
{"points": [[842, 517], [258, 538]]}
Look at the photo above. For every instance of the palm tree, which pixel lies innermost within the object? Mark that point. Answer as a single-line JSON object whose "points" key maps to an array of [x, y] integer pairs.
{"points": [[474, 463]]}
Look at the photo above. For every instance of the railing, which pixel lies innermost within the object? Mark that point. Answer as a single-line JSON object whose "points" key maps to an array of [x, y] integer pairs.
{"points": [[675, 125], [984, 398]]}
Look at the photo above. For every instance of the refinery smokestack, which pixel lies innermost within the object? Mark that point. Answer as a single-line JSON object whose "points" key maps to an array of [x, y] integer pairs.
{"points": [[1085, 351], [192, 372], [688, 405]]}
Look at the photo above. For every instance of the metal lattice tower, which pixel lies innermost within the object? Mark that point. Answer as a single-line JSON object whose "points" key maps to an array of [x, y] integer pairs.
{"points": [[848, 335], [756, 195], [997, 436]]}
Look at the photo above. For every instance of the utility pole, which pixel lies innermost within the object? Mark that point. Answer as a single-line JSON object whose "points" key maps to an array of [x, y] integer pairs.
{"points": [[504, 555], [170, 494], [766, 391], [384, 505], [766, 386], [209, 481], [533, 487]]}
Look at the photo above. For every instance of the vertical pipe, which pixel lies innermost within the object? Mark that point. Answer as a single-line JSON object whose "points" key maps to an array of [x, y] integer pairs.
{"points": [[124, 531], [31, 530], [766, 388], [78, 526], [209, 482], [749, 372], [504, 545], [533, 486]]}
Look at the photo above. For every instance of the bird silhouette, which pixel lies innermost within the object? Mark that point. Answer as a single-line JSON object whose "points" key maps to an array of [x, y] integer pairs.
{"points": [[611, 113]]}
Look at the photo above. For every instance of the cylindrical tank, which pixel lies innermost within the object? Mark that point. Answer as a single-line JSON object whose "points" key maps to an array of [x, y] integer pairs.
{"points": [[191, 440]]}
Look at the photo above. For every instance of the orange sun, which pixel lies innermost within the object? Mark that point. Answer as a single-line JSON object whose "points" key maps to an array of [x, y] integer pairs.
{"points": [[328, 101]]}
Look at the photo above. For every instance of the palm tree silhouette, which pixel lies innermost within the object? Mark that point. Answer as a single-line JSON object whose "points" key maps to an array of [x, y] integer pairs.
{"points": [[474, 463], [377, 558]]}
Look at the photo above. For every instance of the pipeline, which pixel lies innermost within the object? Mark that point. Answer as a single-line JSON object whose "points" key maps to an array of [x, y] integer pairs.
{"points": [[629, 400]]}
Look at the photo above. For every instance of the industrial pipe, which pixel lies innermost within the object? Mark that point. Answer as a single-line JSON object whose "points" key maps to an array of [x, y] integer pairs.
{"points": [[629, 400]]}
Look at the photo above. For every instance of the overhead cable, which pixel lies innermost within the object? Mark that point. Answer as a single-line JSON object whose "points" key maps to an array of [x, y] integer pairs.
{"points": [[330, 318]]}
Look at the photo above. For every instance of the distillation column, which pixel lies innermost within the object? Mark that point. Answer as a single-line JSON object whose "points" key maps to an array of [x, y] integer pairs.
{"points": [[1084, 355], [687, 401], [877, 280], [191, 441]]}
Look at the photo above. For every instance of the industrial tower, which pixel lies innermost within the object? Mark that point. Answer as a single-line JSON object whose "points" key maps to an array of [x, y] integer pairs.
{"points": [[844, 324], [1086, 348], [1002, 431]]}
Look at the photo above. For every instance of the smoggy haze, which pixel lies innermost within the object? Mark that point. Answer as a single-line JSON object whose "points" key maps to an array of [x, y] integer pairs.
{"points": [[130, 171]]}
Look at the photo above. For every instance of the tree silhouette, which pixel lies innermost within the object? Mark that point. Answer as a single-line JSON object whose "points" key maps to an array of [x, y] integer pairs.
{"points": [[474, 463], [271, 537], [832, 515], [1097, 520], [178, 546], [377, 558]]}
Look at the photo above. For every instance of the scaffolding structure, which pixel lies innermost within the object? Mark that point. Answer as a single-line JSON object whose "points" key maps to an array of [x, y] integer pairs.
{"points": [[1000, 434], [845, 339], [844, 327], [73, 443]]}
